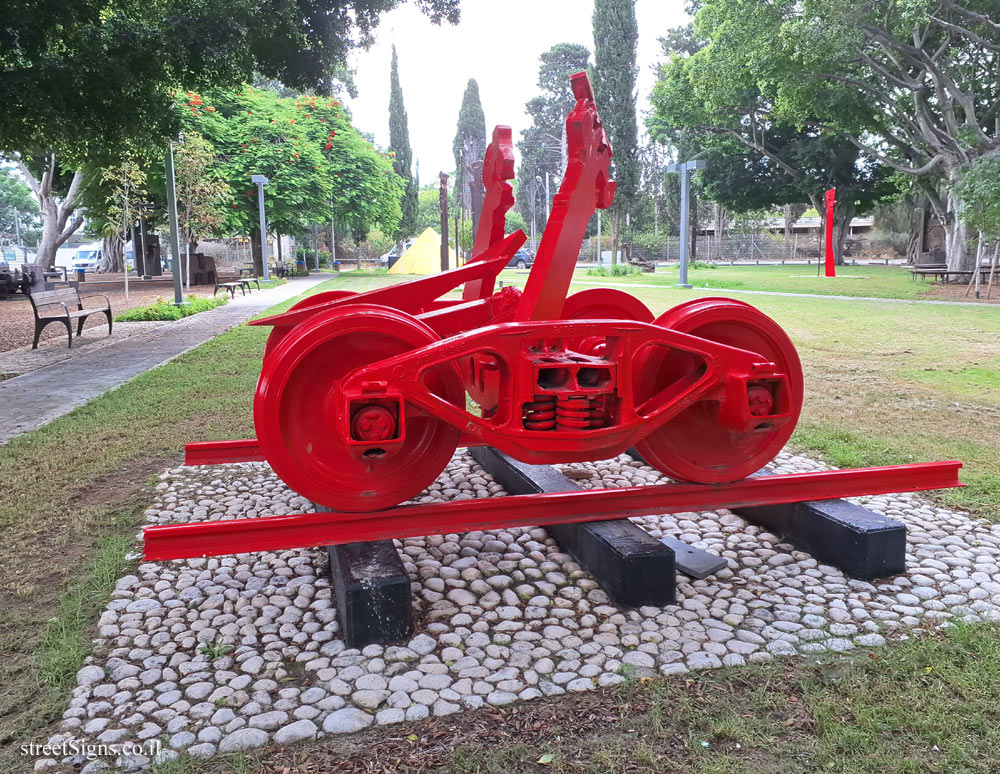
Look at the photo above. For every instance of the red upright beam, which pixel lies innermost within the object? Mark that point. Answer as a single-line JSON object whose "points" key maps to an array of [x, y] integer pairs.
{"points": [[279, 533]]}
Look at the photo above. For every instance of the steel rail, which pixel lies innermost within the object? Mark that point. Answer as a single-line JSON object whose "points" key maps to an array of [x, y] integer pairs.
{"points": [[277, 533]]}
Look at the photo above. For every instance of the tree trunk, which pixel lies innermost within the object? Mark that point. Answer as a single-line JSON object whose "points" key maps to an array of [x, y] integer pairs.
{"points": [[693, 213], [112, 254], [843, 214], [958, 255], [615, 224], [55, 215], [258, 262], [789, 221]]}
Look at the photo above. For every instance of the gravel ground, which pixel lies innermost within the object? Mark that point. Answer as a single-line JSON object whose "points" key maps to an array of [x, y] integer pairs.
{"points": [[230, 653], [17, 324]]}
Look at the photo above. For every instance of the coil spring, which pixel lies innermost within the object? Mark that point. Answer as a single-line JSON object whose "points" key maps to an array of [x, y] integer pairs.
{"points": [[579, 412], [540, 414]]}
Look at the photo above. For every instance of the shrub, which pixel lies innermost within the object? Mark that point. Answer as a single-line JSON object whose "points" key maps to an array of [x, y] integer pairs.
{"points": [[615, 270], [162, 310]]}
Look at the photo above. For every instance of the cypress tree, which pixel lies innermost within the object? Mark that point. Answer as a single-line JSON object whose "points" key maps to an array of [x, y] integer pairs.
{"points": [[399, 144], [471, 132], [616, 36]]}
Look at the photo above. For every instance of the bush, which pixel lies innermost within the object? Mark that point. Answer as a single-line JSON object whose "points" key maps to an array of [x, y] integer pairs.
{"points": [[701, 265], [615, 270], [162, 310], [304, 254], [650, 242]]}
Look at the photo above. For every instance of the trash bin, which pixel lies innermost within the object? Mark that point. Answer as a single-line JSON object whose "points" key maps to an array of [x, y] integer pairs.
{"points": [[336, 265], [81, 275], [300, 265]]}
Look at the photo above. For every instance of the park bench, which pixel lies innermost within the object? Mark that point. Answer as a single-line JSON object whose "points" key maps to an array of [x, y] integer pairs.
{"points": [[231, 287], [64, 305]]}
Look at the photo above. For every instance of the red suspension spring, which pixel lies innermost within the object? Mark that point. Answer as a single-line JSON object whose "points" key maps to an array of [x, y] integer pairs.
{"points": [[540, 414], [579, 412]]}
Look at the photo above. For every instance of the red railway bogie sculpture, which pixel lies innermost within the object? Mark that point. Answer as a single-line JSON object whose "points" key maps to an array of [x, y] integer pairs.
{"points": [[364, 397]]}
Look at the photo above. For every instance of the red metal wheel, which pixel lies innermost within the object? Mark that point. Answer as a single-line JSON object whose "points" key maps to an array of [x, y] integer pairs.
{"points": [[695, 445], [602, 304], [298, 411], [605, 304], [277, 334]]}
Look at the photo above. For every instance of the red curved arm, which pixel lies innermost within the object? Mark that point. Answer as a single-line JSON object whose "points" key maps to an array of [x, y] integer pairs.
{"points": [[498, 168], [585, 188]]}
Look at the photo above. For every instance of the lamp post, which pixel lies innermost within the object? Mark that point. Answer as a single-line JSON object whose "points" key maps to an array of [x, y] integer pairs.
{"points": [[175, 245], [261, 181], [685, 170]]}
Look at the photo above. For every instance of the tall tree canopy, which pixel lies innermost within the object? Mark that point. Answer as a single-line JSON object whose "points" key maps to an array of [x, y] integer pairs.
{"points": [[911, 84], [399, 146], [85, 70], [543, 144], [755, 160], [616, 36]]}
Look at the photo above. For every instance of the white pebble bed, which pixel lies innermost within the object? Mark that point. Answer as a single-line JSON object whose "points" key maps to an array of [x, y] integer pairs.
{"points": [[230, 653]]}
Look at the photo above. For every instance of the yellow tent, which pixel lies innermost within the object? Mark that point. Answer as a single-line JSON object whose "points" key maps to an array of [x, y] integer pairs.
{"points": [[423, 256]]}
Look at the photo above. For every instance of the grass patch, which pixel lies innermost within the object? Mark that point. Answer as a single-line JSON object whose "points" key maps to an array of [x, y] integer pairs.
{"points": [[863, 281], [63, 644], [272, 283], [162, 310]]}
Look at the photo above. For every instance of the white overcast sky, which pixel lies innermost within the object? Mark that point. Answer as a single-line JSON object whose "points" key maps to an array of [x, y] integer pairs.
{"points": [[498, 44]]}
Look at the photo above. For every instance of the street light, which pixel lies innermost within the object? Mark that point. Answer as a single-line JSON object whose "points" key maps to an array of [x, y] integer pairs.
{"points": [[261, 181], [175, 244], [685, 170]]}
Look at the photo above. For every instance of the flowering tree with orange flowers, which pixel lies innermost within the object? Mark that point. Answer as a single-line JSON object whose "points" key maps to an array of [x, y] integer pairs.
{"points": [[318, 165]]}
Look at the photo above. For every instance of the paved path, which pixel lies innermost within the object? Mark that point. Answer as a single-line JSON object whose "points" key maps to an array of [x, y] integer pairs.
{"points": [[36, 398], [792, 295]]}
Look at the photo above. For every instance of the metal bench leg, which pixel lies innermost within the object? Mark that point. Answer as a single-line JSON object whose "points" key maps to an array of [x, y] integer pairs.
{"points": [[79, 326], [107, 314]]}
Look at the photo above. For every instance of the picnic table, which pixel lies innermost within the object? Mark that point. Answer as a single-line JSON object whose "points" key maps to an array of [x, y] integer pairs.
{"points": [[941, 271]]}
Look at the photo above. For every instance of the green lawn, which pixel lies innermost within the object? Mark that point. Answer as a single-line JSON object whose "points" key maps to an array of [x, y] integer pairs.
{"points": [[885, 383], [867, 281]]}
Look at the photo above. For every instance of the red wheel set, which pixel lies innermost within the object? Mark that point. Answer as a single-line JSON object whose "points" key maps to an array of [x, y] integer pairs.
{"points": [[363, 398]]}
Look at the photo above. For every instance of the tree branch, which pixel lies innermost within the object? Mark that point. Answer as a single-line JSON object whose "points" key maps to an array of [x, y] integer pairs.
{"points": [[977, 17], [32, 181], [64, 235], [926, 169]]}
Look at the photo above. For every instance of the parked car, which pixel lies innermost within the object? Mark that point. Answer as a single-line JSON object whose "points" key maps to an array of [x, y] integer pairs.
{"points": [[522, 259], [88, 257]]}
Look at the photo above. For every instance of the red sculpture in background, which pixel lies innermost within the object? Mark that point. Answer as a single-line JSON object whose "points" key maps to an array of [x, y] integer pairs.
{"points": [[831, 263], [362, 397]]}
